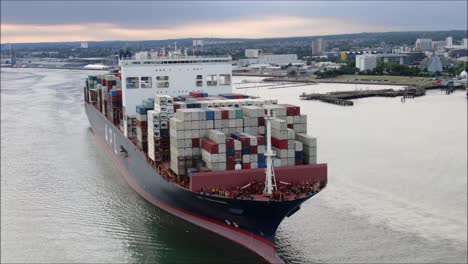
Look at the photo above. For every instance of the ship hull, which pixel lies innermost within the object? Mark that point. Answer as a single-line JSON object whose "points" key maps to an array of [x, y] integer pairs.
{"points": [[250, 223]]}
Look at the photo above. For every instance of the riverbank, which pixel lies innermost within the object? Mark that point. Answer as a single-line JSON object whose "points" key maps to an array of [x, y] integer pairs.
{"points": [[360, 79]]}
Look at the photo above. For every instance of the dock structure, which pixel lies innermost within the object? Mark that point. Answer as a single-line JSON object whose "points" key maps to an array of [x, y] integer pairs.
{"points": [[343, 97]]}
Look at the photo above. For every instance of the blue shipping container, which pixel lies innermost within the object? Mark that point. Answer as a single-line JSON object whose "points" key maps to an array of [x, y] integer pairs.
{"points": [[245, 150], [229, 152], [298, 155]]}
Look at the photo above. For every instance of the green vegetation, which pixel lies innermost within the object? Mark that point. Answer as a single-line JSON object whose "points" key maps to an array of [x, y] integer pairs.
{"points": [[349, 68]]}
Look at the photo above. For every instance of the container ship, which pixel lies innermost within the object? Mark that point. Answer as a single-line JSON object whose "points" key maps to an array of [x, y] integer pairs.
{"points": [[230, 163]]}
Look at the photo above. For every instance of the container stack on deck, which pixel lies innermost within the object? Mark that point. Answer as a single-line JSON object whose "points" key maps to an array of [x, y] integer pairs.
{"points": [[199, 132], [105, 94], [209, 133], [142, 123], [158, 128]]}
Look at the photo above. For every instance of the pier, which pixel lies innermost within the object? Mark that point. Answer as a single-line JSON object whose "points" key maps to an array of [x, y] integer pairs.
{"points": [[344, 97]]}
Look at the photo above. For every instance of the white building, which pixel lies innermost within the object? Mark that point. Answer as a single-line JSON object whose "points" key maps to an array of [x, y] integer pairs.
{"points": [[251, 53], [172, 76], [198, 42], [439, 45], [449, 41], [366, 62], [465, 42], [317, 46], [423, 44], [84, 45], [273, 59]]}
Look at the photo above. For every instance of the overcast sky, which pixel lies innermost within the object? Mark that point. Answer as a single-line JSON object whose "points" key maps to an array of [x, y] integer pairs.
{"points": [[42, 21]]}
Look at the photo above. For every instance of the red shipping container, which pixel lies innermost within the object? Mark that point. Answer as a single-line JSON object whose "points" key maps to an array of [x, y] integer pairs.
{"points": [[260, 140], [279, 143], [209, 145], [253, 150], [291, 126], [292, 110], [142, 124], [195, 94], [176, 106], [246, 165], [299, 162], [195, 142], [224, 113], [245, 141], [230, 163], [261, 121], [229, 142], [237, 154]]}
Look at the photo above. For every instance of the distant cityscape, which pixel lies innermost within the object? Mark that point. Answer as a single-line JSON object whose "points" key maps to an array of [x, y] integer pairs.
{"points": [[394, 53]]}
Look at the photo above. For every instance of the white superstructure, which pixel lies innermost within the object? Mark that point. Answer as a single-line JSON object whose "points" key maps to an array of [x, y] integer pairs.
{"points": [[145, 78]]}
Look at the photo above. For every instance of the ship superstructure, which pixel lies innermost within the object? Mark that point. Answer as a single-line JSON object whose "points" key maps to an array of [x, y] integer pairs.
{"points": [[227, 162]]}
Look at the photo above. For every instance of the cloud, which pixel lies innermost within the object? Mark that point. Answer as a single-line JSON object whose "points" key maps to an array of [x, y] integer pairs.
{"points": [[247, 27]]}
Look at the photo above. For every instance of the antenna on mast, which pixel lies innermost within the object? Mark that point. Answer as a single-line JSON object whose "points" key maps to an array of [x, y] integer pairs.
{"points": [[270, 181]]}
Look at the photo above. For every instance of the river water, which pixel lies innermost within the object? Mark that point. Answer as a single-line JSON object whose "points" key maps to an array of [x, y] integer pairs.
{"points": [[397, 187]]}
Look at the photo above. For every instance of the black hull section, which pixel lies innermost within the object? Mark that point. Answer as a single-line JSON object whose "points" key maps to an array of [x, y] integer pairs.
{"points": [[244, 221]]}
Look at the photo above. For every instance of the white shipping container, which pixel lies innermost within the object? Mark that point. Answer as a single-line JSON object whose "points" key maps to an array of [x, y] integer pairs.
{"points": [[298, 145], [276, 162], [261, 149], [306, 140], [310, 159], [278, 124], [222, 157], [291, 134], [310, 151], [196, 134], [291, 153], [222, 147], [245, 158], [300, 128], [246, 121], [237, 145], [279, 134], [217, 136]]}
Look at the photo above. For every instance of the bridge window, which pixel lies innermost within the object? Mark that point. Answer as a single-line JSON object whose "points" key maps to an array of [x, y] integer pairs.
{"points": [[146, 82], [162, 81], [211, 80], [199, 81], [132, 83], [224, 79]]}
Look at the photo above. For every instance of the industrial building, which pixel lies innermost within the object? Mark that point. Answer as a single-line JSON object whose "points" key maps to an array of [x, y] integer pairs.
{"points": [[272, 59], [251, 53]]}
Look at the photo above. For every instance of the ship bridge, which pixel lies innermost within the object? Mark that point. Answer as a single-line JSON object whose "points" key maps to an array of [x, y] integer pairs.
{"points": [[146, 76]]}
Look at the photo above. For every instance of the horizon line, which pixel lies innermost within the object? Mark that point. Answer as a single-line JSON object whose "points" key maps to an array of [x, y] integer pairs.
{"points": [[117, 40]]}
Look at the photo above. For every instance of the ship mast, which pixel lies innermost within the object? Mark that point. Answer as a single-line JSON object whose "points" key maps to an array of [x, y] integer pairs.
{"points": [[270, 181]]}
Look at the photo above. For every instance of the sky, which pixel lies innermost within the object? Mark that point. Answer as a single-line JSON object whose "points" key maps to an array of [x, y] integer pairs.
{"points": [[58, 21]]}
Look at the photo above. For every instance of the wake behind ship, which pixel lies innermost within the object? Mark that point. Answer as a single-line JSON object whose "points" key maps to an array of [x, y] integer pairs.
{"points": [[230, 163]]}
